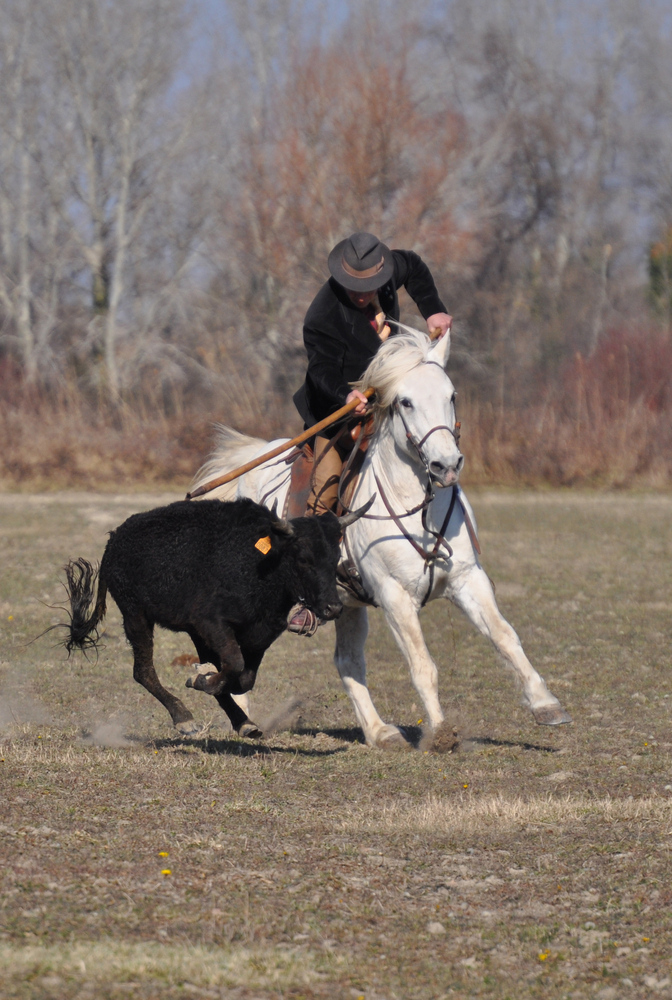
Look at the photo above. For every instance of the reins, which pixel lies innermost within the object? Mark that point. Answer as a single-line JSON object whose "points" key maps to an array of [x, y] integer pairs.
{"points": [[428, 556]]}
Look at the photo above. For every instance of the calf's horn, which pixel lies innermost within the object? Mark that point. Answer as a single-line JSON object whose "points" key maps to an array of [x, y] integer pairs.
{"points": [[279, 523], [354, 515]]}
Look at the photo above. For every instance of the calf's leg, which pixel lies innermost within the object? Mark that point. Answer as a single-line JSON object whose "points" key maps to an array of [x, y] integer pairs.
{"points": [[217, 645], [209, 663], [236, 703], [140, 634], [238, 717], [233, 674]]}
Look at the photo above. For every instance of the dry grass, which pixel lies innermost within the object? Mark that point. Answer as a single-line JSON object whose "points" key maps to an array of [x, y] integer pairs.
{"points": [[105, 963], [506, 814], [55, 447], [67, 441], [587, 447], [583, 440], [530, 863]]}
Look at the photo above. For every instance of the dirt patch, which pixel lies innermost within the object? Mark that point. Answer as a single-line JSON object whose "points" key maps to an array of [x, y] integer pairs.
{"points": [[530, 862]]}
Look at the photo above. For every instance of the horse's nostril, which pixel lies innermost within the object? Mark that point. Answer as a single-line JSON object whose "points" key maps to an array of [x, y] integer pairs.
{"points": [[437, 467]]}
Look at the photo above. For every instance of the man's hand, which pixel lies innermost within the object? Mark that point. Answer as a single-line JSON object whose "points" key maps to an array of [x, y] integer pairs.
{"points": [[363, 401], [438, 325]]}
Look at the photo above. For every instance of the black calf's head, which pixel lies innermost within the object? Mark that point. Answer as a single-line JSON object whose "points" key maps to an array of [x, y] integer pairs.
{"points": [[315, 550]]}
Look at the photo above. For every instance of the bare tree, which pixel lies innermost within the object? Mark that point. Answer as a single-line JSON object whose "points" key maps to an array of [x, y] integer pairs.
{"points": [[111, 140], [34, 257], [169, 219], [549, 185]]}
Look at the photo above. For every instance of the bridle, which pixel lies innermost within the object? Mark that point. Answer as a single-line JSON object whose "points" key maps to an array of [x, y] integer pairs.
{"points": [[429, 556], [418, 444], [432, 555]]}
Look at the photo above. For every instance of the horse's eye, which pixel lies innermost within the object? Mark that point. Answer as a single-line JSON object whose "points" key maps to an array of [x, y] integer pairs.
{"points": [[452, 398], [406, 403]]}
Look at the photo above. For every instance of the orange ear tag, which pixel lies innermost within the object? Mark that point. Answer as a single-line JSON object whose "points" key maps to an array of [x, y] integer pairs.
{"points": [[264, 545]]}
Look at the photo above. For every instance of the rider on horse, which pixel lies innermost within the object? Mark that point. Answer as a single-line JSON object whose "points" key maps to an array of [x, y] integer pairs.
{"points": [[343, 329]]}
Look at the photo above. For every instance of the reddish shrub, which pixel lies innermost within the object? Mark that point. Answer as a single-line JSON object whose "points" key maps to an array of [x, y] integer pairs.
{"points": [[629, 366]]}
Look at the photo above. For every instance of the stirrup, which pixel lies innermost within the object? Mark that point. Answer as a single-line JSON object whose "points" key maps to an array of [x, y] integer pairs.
{"points": [[302, 621]]}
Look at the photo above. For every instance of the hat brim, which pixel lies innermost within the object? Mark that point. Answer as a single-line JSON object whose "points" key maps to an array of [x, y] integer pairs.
{"points": [[371, 284]]}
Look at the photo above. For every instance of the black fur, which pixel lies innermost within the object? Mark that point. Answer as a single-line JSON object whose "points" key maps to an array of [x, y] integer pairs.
{"points": [[195, 568], [81, 577]]}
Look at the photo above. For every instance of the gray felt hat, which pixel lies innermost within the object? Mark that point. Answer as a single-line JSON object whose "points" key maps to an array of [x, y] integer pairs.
{"points": [[361, 263]]}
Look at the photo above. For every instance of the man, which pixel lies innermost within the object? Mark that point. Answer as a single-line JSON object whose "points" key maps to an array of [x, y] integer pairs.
{"points": [[343, 329]]}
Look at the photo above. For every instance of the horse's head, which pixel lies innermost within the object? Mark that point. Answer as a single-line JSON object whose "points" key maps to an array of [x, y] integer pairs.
{"points": [[414, 392]]}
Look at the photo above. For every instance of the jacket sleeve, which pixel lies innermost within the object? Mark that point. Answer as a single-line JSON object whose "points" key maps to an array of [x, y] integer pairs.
{"points": [[326, 357], [411, 271]]}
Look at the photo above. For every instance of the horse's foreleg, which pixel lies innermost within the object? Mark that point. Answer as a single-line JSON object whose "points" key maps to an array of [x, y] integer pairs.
{"points": [[402, 618], [476, 598], [351, 630]]}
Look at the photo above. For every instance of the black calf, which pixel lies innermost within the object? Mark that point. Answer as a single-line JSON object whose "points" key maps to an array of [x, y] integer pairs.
{"points": [[227, 574]]}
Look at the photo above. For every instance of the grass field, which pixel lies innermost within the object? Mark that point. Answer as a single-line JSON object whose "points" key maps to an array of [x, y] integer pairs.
{"points": [[530, 863]]}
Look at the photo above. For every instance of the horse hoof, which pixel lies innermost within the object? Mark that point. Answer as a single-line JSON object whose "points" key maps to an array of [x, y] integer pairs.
{"points": [[551, 715], [250, 731], [444, 739], [392, 739], [188, 728]]}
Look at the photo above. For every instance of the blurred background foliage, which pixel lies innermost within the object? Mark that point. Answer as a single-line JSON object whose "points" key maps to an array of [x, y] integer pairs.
{"points": [[173, 175]]}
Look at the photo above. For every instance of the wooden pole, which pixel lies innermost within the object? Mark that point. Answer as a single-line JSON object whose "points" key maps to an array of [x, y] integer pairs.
{"points": [[315, 429]]}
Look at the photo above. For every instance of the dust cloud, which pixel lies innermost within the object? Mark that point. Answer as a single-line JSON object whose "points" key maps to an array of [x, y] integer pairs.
{"points": [[283, 718], [107, 733], [17, 705]]}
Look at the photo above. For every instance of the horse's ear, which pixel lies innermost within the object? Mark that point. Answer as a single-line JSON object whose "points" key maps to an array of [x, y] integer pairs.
{"points": [[441, 351]]}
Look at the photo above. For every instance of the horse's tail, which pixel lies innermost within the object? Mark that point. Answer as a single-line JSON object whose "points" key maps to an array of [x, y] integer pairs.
{"points": [[81, 580], [232, 450]]}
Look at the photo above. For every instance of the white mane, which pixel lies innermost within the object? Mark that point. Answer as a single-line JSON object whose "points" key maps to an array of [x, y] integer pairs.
{"points": [[399, 355]]}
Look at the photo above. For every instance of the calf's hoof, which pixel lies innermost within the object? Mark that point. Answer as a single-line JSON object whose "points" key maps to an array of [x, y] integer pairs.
{"points": [[551, 715], [203, 672], [250, 730], [188, 728]]}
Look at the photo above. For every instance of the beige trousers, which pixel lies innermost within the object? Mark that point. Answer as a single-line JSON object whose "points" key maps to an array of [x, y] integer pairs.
{"points": [[326, 474]]}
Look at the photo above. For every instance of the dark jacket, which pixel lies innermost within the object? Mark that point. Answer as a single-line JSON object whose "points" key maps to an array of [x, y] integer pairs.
{"points": [[340, 341]]}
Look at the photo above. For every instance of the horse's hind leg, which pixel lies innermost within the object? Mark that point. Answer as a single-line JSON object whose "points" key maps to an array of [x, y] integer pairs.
{"points": [[140, 635], [351, 632], [476, 598]]}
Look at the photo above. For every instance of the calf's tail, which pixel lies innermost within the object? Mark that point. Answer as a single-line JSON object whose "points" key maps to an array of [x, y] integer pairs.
{"points": [[81, 579]]}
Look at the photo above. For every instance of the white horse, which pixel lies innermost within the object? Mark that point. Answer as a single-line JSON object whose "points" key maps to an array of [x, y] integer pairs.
{"points": [[418, 541]]}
